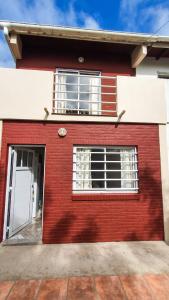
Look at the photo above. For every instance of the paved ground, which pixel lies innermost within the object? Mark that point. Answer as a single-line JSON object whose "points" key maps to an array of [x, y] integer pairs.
{"points": [[136, 287], [32, 233], [97, 259]]}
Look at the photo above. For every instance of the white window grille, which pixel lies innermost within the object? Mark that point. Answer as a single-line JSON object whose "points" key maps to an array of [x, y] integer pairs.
{"points": [[105, 169], [81, 92]]}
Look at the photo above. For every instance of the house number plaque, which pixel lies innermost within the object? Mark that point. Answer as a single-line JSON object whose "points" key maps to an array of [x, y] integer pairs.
{"points": [[62, 132]]}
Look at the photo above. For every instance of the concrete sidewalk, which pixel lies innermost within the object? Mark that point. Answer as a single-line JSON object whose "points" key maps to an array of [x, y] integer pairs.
{"points": [[66, 260]]}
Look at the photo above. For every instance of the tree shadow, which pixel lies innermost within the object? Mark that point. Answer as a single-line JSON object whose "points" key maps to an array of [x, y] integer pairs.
{"points": [[63, 230], [63, 227], [149, 226], [150, 196], [88, 233]]}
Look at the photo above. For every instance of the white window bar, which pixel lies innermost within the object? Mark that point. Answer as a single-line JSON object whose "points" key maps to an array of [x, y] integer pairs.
{"points": [[69, 97], [102, 175], [73, 100]]}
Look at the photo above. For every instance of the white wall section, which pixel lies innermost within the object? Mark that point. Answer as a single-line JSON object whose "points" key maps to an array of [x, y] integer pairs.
{"points": [[143, 99], [25, 93], [151, 66]]}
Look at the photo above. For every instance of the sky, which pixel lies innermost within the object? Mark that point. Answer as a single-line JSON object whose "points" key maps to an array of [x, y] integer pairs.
{"points": [[146, 16]]}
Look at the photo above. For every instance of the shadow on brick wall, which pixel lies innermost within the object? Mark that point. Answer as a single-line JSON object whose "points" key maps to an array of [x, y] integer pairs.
{"points": [[152, 197], [66, 226]]}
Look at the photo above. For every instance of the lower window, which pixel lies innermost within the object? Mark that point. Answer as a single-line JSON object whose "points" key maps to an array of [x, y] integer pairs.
{"points": [[105, 169]]}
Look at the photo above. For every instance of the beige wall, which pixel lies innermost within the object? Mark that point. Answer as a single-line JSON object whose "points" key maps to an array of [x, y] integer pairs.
{"points": [[142, 98], [25, 93], [151, 66]]}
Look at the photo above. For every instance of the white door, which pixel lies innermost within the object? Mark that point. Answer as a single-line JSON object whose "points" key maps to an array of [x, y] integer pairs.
{"points": [[21, 189]]}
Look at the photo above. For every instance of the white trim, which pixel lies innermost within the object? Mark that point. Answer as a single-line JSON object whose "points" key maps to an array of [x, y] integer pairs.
{"points": [[6, 193], [105, 170]]}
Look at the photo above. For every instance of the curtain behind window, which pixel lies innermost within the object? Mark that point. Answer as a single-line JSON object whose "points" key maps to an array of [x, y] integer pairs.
{"points": [[128, 156], [83, 164], [61, 94], [95, 88]]}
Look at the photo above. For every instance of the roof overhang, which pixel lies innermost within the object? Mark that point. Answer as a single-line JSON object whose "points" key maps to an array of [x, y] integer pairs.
{"points": [[13, 31]]}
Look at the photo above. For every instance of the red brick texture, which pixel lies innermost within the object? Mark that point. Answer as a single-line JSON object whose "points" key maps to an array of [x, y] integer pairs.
{"points": [[91, 218]]}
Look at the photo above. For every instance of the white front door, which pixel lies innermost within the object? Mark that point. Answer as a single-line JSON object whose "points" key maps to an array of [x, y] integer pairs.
{"points": [[20, 190]]}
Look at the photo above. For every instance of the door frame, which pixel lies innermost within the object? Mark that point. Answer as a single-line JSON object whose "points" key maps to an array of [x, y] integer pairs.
{"points": [[10, 148], [13, 194]]}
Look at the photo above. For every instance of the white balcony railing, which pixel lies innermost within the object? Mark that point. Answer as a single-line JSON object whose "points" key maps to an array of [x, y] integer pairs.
{"points": [[84, 93]]}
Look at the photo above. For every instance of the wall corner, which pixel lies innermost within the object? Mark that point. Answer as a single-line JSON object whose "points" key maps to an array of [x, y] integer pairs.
{"points": [[164, 177]]}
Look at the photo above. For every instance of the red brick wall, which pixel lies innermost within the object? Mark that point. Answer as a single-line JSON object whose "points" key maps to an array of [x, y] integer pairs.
{"points": [[92, 218]]}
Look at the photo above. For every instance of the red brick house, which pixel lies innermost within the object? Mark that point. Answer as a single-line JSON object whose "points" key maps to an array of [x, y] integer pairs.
{"points": [[82, 137]]}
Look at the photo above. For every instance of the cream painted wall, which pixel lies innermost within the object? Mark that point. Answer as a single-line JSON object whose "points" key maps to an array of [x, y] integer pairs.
{"points": [[151, 66], [25, 93], [142, 98]]}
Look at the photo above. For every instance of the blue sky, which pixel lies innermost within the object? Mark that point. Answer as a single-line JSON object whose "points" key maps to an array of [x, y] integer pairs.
{"points": [[122, 15]]}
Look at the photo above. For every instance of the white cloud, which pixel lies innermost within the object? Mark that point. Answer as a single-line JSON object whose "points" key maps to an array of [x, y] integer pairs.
{"points": [[40, 12], [89, 22], [158, 19], [129, 13], [145, 16]]}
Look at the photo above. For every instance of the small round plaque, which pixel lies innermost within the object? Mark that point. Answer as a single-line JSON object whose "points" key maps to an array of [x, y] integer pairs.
{"points": [[81, 59], [62, 132]]}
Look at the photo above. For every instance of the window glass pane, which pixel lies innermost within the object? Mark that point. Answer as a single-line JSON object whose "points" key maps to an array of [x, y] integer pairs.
{"points": [[71, 105], [81, 89], [19, 157], [30, 159], [97, 167], [72, 86], [24, 158], [106, 169], [113, 166], [84, 88]]}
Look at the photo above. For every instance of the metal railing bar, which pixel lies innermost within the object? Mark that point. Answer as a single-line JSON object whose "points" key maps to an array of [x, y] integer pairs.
{"points": [[107, 179], [87, 101], [95, 152], [85, 84], [102, 161], [109, 189], [83, 75], [80, 109], [85, 171], [90, 93]]}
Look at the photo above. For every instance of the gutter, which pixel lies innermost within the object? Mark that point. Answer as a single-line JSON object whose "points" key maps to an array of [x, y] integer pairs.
{"points": [[78, 33], [13, 31]]}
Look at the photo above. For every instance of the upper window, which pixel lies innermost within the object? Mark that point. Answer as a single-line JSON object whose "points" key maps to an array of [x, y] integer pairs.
{"points": [[78, 92], [105, 169]]}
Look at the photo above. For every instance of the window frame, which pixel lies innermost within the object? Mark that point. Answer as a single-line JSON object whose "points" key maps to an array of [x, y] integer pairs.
{"points": [[107, 190], [95, 74]]}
